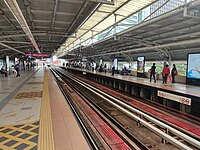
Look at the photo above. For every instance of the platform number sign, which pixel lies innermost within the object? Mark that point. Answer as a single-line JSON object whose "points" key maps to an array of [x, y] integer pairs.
{"points": [[177, 98]]}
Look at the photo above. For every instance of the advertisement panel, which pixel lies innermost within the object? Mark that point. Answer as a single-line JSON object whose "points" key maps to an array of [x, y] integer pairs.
{"points": [[193, 66], [140, 64]]}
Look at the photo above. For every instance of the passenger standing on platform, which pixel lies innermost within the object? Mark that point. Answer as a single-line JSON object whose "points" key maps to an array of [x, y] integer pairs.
{"points": [[101, 68], [174, 72], [28, 65], [153, 72], [105, 68], [165, 73], [17, 69], [113, 70]]}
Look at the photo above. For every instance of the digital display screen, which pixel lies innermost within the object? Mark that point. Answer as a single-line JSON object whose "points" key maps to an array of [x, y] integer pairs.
{"points": [[140, 64], [193, 66]]}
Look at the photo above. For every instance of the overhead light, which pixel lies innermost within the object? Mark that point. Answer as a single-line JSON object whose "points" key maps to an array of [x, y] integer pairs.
{"points": [[16, 11]]}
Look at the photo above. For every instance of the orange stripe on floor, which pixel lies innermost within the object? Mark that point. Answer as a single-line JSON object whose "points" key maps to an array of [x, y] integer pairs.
{"points": [[45, 141]]}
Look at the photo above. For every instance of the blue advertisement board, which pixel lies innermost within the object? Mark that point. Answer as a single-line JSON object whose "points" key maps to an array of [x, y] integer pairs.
{"points": [[193, 70]]}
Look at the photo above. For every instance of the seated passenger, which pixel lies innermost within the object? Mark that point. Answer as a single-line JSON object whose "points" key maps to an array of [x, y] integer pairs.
{"points": [[124, 71], [3, 71], [13, 70]]}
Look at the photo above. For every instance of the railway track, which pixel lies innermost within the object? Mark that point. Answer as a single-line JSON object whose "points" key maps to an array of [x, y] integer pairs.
{"points": [[96, 140], [134, 124]]}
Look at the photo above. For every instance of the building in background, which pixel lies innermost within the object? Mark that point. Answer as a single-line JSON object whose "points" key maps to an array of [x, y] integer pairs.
{"points": [[152, 11], [147, 13], [143, 14]]}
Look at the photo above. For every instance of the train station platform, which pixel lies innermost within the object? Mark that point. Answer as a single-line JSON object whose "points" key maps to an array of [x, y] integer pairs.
{"points": [[35, 115], [176, 87], [178, 96]]}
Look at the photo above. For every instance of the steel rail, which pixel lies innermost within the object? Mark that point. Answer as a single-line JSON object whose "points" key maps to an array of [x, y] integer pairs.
{"points": [[126, 136]]}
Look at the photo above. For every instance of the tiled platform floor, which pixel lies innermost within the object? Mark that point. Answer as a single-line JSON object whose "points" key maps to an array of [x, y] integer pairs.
{"points": [[9, 84], [24, 107], [20, 111], [34, 114], [67, 134]]}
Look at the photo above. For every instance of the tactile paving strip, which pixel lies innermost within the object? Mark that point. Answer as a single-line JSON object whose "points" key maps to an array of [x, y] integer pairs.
{"points": [[36, 82], [24, 136], [28, 95]]}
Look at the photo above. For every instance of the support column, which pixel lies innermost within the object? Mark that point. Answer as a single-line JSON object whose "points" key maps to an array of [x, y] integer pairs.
{"points": [[120, 86], [126, 87], [142, 93], [132, 90]]}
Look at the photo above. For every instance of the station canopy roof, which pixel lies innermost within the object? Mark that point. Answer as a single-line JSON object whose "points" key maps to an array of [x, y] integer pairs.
{"points": [[104, 17], [170, 36], [39, 26], [42, 26]]}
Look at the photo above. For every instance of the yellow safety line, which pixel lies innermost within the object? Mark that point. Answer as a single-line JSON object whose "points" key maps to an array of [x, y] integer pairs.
{"points": [[45, 139]]}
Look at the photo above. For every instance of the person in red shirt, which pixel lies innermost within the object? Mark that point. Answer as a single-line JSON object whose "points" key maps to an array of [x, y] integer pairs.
{"points": [[165, 73]]}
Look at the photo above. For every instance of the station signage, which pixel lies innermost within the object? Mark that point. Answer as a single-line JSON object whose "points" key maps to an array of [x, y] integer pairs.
{"points": [[37, 55], [177, 98]]}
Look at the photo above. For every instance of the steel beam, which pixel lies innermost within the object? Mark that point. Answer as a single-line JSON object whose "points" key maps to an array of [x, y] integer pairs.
{"points": [[17, 13], [105, 19], [149, 44], [180, 43], [112, 2], [50, 12], [45, 27], [78, 15], [28, 10], [54, 13], [18, 47], [15, 42], [75, 19], [11, 48], [54, 16], [140, 26], [72, 1], [20, 35], [48, 21], [7, 19]]}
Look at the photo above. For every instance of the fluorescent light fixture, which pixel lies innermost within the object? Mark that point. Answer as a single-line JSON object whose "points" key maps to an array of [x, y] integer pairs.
{"points": [[16, 11]]}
